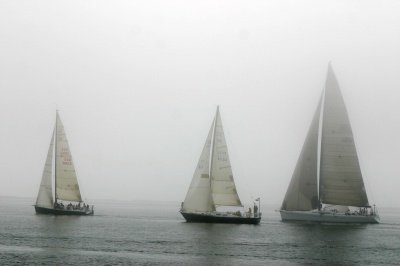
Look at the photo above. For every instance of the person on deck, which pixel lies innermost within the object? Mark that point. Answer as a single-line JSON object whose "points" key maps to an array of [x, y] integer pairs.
{"points": [[255, 210]]}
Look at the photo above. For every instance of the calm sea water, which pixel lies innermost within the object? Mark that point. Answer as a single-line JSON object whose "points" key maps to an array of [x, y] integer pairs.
{"points": [[152, 233]]}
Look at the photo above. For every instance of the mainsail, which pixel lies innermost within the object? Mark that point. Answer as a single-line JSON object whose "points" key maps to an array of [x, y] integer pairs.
{"points": [[302, 194], [198, 197], [66, 183], [223, 187], [45, 195], [341, 181]]}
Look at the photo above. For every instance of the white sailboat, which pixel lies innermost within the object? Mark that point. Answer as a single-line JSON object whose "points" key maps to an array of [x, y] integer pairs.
{"points": [[335, 192], [213, 186], [67, 196]]}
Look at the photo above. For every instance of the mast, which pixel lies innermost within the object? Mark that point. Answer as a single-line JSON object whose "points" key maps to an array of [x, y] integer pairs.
{"points": [[212, 151], [319, 147], [55, 161]]}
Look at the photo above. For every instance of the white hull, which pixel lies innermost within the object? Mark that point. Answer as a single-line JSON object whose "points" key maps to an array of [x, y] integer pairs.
{"points": [[327, 217]]}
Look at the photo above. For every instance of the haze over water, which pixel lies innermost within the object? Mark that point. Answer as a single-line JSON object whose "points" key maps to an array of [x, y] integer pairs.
{"points": [[154, 233], [137, 83]]}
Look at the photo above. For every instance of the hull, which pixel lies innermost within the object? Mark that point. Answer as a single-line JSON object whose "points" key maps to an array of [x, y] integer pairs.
{"points": [[327, 217], [42, 210], [219, 218]]}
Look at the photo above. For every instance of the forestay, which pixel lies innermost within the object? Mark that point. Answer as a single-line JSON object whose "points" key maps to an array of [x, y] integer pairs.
{"points": [[341, 180], [45, 195], [198, 197], [302, 194], [223, 187], [67, 187]]}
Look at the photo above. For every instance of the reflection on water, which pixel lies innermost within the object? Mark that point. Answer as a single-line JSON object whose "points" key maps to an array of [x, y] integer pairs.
{"points": [[326, 243], [212, 242], [155, 233]]}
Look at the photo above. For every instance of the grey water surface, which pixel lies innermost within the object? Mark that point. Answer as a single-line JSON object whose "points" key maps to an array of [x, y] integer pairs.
{"points": [[154, 233]]}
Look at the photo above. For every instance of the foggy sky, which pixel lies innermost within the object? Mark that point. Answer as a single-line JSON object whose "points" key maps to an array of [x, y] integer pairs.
{"points": [[137, 84]]}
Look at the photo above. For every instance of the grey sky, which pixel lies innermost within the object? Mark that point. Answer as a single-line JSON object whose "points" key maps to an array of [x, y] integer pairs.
{"points": [[137, 84]]}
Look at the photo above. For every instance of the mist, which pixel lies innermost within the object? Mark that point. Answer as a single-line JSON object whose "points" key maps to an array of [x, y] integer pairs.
{"points": [[137, 84]]}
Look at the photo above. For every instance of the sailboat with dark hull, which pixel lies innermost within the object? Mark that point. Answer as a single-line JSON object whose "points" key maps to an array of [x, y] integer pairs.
{"points": [[327, 184], [213, 187], [67, 196]]}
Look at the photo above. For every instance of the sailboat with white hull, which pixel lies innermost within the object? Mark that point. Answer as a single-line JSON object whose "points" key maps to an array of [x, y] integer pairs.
{"points": [[213, 187], [67, 196], [327, 183]]}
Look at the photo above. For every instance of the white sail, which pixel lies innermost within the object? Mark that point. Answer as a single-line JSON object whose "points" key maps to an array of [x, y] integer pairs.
{"points": [[302, 193], [223, 187], [67, 187], [45, 195], [198, 197], [341, 181]]}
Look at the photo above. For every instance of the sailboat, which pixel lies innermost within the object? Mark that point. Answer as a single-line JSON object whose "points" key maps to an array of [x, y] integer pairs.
{"points": [[213, 187], [67, 196], [327, 184]]}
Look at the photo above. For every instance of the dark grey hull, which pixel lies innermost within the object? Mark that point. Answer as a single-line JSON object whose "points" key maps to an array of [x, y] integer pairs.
{"points": [[42, 210], [211, 218]]}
